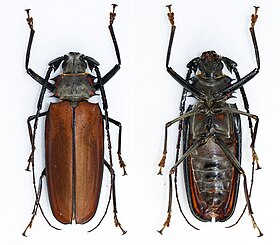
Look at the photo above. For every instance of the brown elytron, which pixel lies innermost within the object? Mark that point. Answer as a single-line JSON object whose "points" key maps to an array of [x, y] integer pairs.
{"points": [[74, 160]]}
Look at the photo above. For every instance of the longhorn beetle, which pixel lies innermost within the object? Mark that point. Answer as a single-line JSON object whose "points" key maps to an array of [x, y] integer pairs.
{"points": [[74, 136], [211, 135]]}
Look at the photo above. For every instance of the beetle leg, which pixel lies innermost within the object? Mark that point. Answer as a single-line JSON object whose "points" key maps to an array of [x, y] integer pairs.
{"points": [[116, 220], [168, 219], [112, 173], [167, 125], [254, 134], [119, 125], [106, 118], [112, 18], [32, 140], [178, 146], [112, 193], [180, 127], [30, 159], [250, 193], [173, 170], [115, 69], [30, 72], [172, 33], [37, 202], [175, 75], [38, 205], [240, 82], [246, 105], [237, 165], [39, 107], [182, 107], [196, 144], [231, 65]]}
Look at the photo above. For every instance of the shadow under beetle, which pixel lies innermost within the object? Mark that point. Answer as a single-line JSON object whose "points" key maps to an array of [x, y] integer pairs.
{"points": [[74, 136], [210, 131]]}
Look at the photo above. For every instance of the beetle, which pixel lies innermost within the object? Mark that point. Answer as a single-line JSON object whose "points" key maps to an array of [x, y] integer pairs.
{"points": [[210, 131], [74, 136]]}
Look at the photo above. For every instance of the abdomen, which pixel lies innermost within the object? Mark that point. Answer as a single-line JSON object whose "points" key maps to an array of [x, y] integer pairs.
{"points": [[210, 178]]}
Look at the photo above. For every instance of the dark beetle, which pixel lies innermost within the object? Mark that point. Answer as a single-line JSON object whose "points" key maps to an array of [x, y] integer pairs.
{"points": [[211, 131], [74, 136]]}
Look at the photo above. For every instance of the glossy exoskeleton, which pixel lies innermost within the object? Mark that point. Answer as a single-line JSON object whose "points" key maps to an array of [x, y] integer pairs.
{"points": [[74, 136], [210, 131]]}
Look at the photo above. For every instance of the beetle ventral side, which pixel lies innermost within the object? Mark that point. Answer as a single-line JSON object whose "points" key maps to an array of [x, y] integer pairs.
{"points": [[209, 134], [74, 137]]}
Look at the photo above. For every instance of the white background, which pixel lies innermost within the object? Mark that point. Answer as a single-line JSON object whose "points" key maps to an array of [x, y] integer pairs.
{"points": [[143, 97]]}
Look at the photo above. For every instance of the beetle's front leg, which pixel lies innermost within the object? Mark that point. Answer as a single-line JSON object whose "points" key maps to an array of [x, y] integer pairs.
{"points": [[29, 71], [254, 72], [169, 69], [116, 68], [29, 19]]}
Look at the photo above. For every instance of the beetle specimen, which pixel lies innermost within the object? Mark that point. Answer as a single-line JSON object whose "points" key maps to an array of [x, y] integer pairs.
{"points": [[211, 135], [74, 136]]}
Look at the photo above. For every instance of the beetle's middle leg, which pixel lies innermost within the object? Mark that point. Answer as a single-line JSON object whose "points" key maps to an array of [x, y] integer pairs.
{"points": [[237, 165], [254, 131], [37, 115], [119, 125], [32, 136], [167, 125]]}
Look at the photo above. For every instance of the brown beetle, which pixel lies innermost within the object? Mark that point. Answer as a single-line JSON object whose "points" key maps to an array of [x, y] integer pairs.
{"points": [[210, 133], [74, 136]]}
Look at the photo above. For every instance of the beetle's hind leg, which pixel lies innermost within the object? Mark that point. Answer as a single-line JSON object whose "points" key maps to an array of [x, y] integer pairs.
{"points": [[173, 170], [237, 165], [113, 190], [38, 205], [112, 193]]}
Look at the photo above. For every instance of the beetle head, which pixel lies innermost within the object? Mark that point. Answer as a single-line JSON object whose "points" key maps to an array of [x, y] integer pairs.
{"points": [[74, 63], [210, 64]]}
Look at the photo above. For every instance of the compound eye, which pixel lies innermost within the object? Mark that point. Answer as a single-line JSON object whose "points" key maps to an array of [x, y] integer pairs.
{"points": [[220, 66], [82, 57]]}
